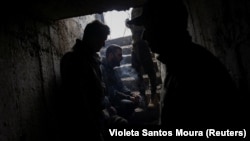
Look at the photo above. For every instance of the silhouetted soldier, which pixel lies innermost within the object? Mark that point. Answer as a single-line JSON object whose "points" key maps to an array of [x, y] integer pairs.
{"points": [[142, 59], [199, 91], [83, 90]]}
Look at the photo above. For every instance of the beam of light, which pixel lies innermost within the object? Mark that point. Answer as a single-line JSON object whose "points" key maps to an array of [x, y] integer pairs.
{"points": [[116, 21]]}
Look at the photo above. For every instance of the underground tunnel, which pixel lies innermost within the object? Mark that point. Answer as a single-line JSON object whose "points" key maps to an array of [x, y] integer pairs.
{"points": [[34, 39]]}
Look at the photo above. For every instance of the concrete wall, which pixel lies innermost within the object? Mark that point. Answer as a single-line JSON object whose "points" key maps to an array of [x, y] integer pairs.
{"points": [[30, 52], [223, 27]]}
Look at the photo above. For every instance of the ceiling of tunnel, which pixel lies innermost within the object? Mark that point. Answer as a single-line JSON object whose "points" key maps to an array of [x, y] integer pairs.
{"points": [[60, 9]]}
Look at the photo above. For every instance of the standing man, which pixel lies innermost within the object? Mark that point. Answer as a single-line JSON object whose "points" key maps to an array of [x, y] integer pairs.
{"points": [[142, 60], [83, 90], [199, 91]]}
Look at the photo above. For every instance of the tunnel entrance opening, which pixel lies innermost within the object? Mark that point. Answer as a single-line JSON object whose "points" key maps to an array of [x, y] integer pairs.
{"points": [[116, 21]]}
